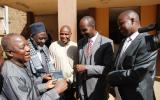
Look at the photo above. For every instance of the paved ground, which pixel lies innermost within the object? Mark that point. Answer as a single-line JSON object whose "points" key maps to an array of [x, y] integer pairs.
{"points": [[157, 89]]}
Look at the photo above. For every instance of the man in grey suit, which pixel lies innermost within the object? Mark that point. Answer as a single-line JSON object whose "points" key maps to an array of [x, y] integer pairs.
{"points": [[95, 58], [18, 81], [134, 65]]}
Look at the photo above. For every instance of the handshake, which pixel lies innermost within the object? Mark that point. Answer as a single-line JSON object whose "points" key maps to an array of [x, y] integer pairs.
{"points": [[55, 80]]}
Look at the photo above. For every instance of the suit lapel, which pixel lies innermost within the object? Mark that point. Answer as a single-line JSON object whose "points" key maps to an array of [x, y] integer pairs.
{"points": [[119, 51], [96, 44], [84, 48], [131, 47]]}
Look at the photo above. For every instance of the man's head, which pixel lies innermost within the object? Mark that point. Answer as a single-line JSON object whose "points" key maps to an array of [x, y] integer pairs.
{"points": [[87, 26], [38, 33], [128, 22], [16, 47], [65, 34]]}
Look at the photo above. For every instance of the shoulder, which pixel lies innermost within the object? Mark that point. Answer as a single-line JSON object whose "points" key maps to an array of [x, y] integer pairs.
{"points": [[81, 41], [141, 37], [53, 44], [9, 68], [106, 39], [73, 43]]}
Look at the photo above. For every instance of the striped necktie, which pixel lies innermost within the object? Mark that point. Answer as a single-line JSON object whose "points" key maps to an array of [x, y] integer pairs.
{"points": [[89, 47]]}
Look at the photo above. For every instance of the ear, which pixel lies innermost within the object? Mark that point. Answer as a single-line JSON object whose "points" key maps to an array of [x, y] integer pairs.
{"points": [[9, 53]]}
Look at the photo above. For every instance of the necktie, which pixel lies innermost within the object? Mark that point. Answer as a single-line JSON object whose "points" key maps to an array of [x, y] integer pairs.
{"points": [[44, 62], [89, 46]]}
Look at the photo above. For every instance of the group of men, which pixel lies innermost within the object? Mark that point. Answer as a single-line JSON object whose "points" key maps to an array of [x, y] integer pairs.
{"points": [[29, 72]]}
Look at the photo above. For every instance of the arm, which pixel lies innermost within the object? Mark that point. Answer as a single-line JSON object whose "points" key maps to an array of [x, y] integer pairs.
{"points": [[15, 88], [53, 94], [42, 87], [144, 63], [105, 63], [50, 95]]}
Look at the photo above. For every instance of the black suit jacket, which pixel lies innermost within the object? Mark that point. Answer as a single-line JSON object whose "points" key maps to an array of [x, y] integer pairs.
{"points": [[134, 75]]}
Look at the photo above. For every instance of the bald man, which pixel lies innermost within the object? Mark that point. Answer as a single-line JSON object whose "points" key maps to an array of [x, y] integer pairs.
{"points": [[64, 53], [18, 80], [134, 65]]}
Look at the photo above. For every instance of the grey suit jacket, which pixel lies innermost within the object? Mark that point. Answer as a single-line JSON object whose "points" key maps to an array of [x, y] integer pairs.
{"points": [[134, 75], [91, 83], [19, 85]]}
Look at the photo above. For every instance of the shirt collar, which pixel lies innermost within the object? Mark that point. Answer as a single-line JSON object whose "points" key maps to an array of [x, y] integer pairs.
{"points": [[94, 38], [62, 44], [134, 35]]}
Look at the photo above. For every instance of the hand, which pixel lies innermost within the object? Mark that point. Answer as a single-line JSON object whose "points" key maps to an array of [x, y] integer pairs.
{"points": [[50, 84], [61, 86], [80, 68], [46, 77]]}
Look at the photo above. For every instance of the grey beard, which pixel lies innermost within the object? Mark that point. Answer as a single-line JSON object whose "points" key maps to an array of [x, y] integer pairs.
{"points": [[40, 47]]}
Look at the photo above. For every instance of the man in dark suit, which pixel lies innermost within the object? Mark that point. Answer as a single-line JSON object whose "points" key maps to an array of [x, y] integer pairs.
{"points": [[95, 57], [134, 65]]}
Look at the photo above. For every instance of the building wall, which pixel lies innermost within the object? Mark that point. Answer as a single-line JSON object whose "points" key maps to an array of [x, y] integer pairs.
{"points": [[17, 20], [102, 21], [51, 23], [148, 15]]}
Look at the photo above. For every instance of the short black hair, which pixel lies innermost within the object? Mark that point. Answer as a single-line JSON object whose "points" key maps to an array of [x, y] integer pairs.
{"points": [[90, 20]]}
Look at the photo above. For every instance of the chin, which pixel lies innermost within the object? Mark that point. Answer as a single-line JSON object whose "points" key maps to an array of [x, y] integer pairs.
{"points": [[27, 59]]}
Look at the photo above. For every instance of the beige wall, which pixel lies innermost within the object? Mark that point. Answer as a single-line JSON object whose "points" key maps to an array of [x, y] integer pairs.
{"points": [[51, 23], [17, 20]]}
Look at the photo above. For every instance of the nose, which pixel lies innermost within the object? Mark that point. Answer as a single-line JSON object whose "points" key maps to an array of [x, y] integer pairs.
{"points": [[43, 41], [63, 36], [27, 48]]}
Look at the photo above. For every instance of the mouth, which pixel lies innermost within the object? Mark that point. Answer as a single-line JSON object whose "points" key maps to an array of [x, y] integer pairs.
{"points": [[28, 56]]}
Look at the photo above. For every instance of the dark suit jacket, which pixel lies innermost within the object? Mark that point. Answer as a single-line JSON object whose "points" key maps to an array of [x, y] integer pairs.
{"points": [[135, 72], [91, 83]]}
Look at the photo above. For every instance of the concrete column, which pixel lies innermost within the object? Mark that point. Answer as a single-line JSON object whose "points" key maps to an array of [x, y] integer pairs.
{"points": [[67, 14], [102, 21]]}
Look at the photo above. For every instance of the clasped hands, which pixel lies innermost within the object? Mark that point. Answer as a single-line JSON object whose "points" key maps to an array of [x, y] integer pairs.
{"points": [[59, 85], [80, 68]]}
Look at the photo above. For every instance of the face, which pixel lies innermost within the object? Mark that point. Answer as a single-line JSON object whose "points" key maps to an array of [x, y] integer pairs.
{"points": [[65, 35], [20, 49], [125, 25], [40, 38], [86, 29]]}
